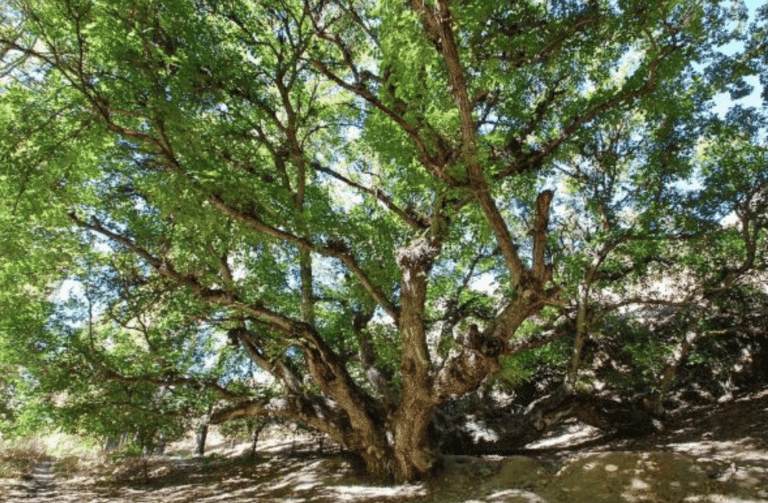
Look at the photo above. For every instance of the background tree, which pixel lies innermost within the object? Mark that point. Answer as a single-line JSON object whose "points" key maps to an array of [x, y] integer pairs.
{"points": [[329, 182]]}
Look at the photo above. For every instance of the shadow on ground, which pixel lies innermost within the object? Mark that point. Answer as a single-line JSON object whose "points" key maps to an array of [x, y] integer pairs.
{"points": [[710, 455]]}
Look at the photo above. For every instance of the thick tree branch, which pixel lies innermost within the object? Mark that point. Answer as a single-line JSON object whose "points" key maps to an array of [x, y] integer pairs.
{"points": [[440, 24], [323, 364], [541, 271], [464, 371], [329, 374], [378, 377], [252, 344], [312, 412]]}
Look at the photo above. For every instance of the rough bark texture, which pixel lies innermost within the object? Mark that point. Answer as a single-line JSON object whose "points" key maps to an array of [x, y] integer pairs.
{"points": [[413, 457]]}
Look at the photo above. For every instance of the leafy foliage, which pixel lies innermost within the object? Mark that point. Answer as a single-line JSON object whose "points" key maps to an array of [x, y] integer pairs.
{"points": [[383, 206]]}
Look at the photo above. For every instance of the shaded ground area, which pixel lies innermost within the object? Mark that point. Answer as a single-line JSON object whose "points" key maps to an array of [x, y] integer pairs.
{"points": [[712, 454]]}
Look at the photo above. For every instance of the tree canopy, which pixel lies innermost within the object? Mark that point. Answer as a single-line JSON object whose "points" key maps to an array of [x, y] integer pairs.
{"points": [[385, 206]]}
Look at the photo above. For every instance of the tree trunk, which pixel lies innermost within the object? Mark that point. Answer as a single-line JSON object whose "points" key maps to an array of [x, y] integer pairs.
{"points": [[255, 437], [670, 368], [160, 448], [112, 444], [582, 332], [414, 457], [202, 434]]}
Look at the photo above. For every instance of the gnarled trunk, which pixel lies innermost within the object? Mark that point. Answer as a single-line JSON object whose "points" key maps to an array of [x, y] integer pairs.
{"points": [[414, 457]]}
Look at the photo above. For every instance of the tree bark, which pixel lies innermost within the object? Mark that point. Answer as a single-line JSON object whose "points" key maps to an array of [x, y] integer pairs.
{"points": [[202, 434], [255, 437], [669, 371], [582, 332], [414, 459]]}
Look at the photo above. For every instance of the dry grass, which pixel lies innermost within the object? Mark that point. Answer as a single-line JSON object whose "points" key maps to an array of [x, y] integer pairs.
{"points": [[19, 456], [72, 454]]}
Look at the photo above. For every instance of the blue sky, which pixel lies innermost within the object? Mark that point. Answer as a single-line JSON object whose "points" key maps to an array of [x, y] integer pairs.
{"points": [[753, 100]]}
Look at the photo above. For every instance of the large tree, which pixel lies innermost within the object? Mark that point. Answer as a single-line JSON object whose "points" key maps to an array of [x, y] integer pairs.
{"points": [[332, 182]]}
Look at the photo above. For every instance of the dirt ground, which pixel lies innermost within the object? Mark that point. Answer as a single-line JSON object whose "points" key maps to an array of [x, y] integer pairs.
{"points": [[713, 454]]}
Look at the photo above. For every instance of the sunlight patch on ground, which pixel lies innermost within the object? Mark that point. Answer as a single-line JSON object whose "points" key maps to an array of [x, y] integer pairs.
{"points": [[719, 498], [743, 450], [514, 495], [566, 435], [372, 493]]}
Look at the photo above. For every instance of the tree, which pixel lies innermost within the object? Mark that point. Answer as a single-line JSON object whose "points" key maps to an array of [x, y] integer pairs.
{"points": [[329, 181]]}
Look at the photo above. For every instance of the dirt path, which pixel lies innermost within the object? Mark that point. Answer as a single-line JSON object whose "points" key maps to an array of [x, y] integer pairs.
{"points": [[37, 486]]}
